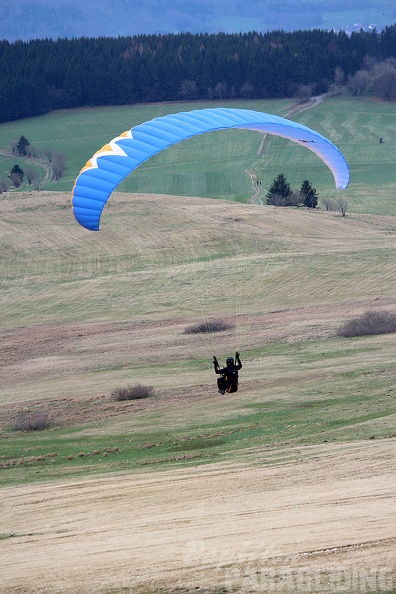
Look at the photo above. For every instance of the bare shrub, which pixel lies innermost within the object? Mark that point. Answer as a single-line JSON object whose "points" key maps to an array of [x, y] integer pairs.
{"points": [[278, 200], [371, 322], [327, 203], [213, 326], [304, 93], [136, 392], [30, 421], [33, 151], [31, 175], [58, 165], [295, 199], [38, 184], [342, 205], [4, 185], [49, 153]]}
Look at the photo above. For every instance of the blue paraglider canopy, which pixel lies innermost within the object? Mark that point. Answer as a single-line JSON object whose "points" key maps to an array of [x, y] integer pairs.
{"points": [[113, 162]]}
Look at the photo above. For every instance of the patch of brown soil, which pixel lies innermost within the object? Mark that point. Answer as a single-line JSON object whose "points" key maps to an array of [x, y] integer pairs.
{"points": [[324, 523], [67, 412]]}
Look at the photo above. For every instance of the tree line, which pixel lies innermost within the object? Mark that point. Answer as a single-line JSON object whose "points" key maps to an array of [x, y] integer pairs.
{"points": [[41, 75]]}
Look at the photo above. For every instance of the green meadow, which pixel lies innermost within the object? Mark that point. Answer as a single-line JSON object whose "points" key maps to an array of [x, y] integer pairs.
{"points": [[339, 405], [215, 165]]}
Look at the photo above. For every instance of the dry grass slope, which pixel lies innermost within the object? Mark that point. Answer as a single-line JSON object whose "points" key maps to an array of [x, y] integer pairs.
{"points": [[82, 313]]}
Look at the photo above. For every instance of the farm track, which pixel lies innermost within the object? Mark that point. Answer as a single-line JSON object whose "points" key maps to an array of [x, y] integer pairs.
{"points": [[258, 192], [31, 161]]}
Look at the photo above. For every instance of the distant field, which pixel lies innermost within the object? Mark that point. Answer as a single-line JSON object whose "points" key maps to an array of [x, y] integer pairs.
{"points": [[216, 165], [209, 166]]}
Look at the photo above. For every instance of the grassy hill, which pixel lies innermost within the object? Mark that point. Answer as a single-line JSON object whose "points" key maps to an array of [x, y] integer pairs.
{"points": [[216, 165], [85, 313], [163, 263]]}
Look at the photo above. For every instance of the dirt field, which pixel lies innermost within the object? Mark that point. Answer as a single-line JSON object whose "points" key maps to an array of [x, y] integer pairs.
{"points": [[319, 520], [322, 524]]}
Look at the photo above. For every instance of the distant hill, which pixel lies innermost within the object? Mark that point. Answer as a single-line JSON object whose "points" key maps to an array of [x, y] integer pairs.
{"points": [[39, 19]]}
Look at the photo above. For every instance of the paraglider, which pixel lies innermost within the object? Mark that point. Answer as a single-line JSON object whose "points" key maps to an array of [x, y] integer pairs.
{"points": [[228, 382], [117, 159]]}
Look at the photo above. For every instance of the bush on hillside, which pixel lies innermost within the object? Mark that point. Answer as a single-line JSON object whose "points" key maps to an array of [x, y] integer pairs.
{"points": [[207, 328], [371, 322], [4, 185], [30, 421], [136, 392], [327, 203]]}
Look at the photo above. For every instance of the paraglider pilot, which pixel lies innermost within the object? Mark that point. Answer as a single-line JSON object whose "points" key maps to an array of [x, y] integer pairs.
{"points": [[228, 382]]}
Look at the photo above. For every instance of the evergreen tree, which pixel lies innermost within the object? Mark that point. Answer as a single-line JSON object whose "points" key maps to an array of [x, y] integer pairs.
{"points": [[308, 194], [279, 191], [16, 175], [22, 145]]}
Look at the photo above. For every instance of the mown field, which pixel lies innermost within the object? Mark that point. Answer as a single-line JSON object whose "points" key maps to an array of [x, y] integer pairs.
{"points": [[90, 312], [215, 165], [310, 434]]}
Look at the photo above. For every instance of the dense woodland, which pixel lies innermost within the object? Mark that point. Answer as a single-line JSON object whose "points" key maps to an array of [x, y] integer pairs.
{"points": [[41, 75]]}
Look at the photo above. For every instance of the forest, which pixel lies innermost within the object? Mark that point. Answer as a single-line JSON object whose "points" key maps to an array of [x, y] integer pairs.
{"points": [[38, 76]]}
